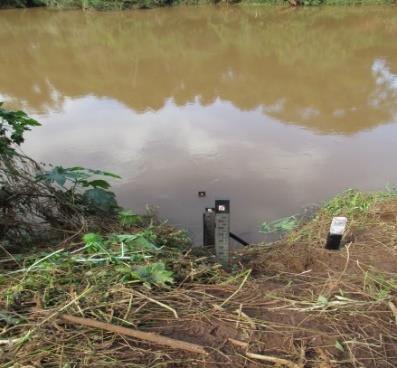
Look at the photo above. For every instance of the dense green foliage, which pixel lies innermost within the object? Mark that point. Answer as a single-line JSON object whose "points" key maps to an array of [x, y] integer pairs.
{"points": [[96, 4], [13, 124], [87, 182], [128, 4], [34, 197], [68, 198], [21, 3]]}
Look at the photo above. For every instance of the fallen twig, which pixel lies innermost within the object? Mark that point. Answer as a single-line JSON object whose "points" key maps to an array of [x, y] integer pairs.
{"points": [[147, 336], [158, 303], [239, 343], [238, 289], [271, 359], [9, 341]]}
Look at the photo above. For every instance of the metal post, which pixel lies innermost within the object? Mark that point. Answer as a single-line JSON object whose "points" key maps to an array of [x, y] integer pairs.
{"points": [[209, 227], [222, 230], [238, 239]]}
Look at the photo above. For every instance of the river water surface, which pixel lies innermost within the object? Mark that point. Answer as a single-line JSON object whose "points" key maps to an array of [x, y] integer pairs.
{"points": [[273, 108]]}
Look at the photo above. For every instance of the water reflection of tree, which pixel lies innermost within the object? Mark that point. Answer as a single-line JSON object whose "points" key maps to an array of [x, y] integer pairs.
{"points": [[317, 62]]}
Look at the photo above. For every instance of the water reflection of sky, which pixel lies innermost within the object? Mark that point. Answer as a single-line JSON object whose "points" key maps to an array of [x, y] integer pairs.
{"points": [[386, 84], [383, 75], [269, 169]]}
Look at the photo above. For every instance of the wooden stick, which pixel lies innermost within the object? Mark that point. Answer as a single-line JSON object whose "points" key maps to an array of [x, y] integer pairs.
{"points": [[241, 344], [147, 336], [9, 341], [271, 359]]}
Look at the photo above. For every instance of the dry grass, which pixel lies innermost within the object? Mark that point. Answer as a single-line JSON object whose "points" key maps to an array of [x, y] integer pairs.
{"points": [[299, 306]]}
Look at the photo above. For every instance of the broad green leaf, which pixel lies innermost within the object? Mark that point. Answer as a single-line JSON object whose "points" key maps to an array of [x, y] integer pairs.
{"points": [[91, 238], [155, 274], [129, 218], [94, 242], [13, 125], [99, 183], [285, 224], [100, 198], [104, 173], [143, 242], [76, 168], [56, 175], [136, 241], [126, 238]]}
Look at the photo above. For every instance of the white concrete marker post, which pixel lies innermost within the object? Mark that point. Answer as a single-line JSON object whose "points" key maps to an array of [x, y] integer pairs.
{"points": [[336, 232]]}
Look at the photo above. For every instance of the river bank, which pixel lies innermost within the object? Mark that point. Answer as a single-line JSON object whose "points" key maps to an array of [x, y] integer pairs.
{"points": [[84, 282], [147, 4], [294, 304]]}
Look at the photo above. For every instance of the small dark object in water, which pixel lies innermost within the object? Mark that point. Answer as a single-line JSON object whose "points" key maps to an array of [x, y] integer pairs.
{"points": [[202, 194]]}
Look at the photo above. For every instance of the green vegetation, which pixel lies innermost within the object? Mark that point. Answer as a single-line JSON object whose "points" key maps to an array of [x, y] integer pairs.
{"points": [[144, 4], [361, 208], [95, 4], [34, 197], [355, 204], [21, 3], [285, 224], [13, 124], [28, 190]]}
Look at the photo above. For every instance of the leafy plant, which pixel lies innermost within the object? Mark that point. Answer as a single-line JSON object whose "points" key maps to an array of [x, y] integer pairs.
{"points": [[377, 286], [32, 198], [353, 203], [94, 242], [100, 198], [75, 179], [128, 218], [139, 241], [127, 252], [13, 125], [285, 224], [154, 273], [77, 176]]}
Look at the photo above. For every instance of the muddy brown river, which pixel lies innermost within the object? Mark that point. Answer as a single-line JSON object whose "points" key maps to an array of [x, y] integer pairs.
{"points": [[273, 108]]}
